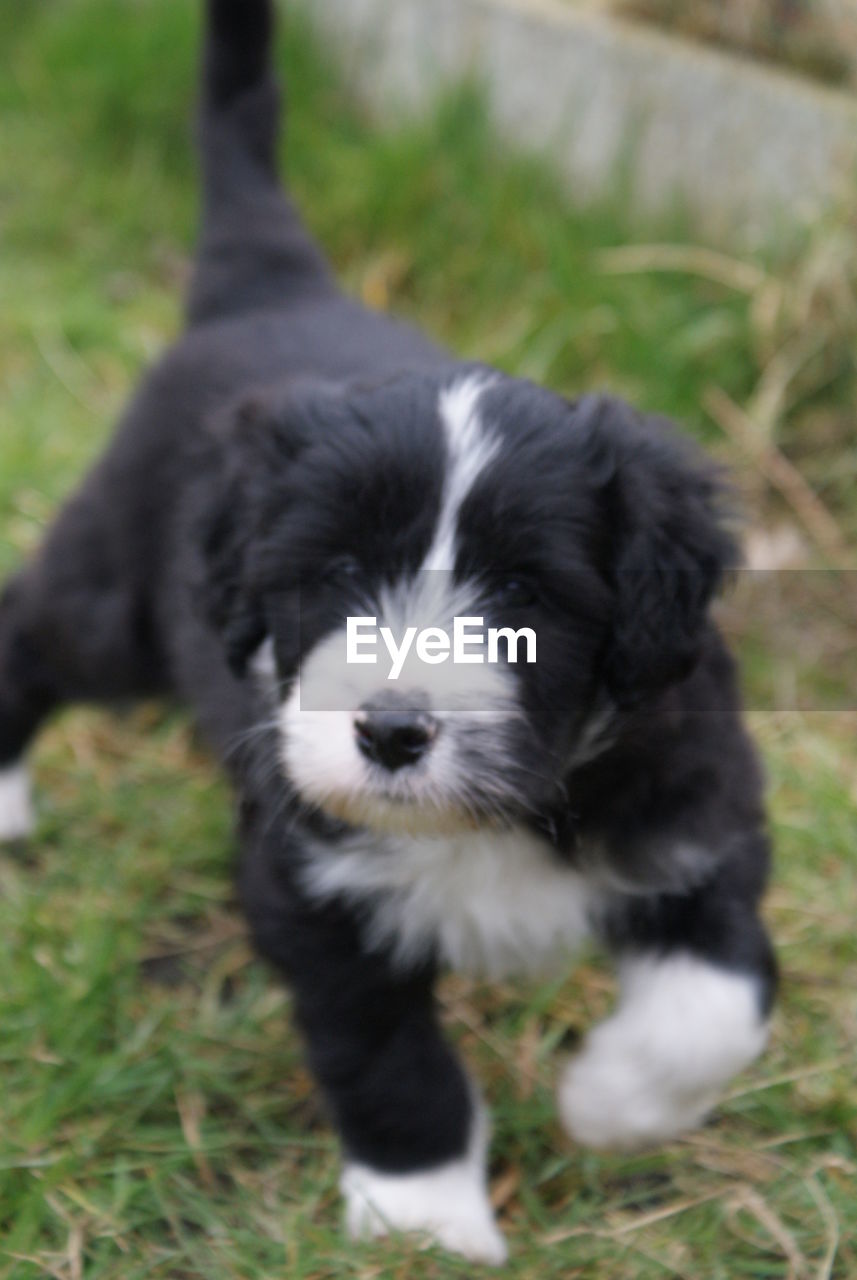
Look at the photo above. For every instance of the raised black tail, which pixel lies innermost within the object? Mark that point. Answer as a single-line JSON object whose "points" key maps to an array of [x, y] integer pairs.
{"points": [[238, 48], [254, 251], [239, 94]]}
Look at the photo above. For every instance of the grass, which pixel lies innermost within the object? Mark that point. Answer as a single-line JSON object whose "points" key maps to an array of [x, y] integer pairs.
{"points": [[155, 1118]]}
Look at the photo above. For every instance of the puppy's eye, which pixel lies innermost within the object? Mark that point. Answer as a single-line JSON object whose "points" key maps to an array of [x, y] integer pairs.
{"points": [[515, 593], [342, 569]]}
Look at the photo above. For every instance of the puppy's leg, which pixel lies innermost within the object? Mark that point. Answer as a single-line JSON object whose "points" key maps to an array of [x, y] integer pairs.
{"points": [[23, 701], [16, 806], [447, 1202], [414, 1133], [27, 694], [71, 630], [696, 984]]}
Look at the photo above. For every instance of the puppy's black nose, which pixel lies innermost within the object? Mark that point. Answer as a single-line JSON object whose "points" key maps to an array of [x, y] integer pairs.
{"points": [[393, 736]]}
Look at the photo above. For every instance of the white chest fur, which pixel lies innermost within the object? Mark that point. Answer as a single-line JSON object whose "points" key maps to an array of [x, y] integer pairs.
{"points": [[491, 902]]}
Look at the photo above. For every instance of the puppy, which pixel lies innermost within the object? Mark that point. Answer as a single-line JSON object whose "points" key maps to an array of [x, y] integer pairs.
{"points": [[299, 471]]}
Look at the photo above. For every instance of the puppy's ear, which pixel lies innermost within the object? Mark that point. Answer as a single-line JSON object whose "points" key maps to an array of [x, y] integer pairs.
{"points": [[251, 449], [666, 550]]}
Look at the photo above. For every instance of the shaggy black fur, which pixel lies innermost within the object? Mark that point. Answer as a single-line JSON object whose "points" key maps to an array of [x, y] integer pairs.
{"points": [[291, 437]]}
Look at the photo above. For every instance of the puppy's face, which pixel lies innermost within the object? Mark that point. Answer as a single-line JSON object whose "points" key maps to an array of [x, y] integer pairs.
{"points": [[579, 536]]}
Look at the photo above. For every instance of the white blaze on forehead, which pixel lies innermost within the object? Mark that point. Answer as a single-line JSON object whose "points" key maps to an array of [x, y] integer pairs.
{"points": [[469, 450]]}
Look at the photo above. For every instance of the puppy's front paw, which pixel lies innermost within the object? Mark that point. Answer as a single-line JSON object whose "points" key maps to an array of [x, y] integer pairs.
{"points": [[16, 807], [607, 1102], [656, 1068], [448, 1205]]}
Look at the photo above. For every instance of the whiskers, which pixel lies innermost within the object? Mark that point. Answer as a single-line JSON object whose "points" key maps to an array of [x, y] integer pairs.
{"points": [[249, 737]]}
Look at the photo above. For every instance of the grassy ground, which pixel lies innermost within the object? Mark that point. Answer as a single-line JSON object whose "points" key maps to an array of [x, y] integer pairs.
{"points": [[155, 1116]]}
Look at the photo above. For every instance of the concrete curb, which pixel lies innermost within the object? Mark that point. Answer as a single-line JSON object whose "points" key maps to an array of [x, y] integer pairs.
{"points": [[747, 149]]}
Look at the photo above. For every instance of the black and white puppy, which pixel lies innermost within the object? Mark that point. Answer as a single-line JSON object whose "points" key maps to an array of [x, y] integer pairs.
{"points": [[297, 461]]}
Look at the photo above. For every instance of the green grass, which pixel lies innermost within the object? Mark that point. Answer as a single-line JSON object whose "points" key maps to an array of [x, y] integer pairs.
{"points": [[155, 1116]]}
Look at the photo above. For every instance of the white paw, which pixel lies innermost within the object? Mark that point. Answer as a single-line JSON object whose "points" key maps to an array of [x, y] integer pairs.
{"points": [[16, 807], [605, 1102], [448, 1205], [656, 1068]]}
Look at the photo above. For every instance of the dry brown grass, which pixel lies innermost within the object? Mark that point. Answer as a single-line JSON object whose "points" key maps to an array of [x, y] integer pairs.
{"points": [[815, 37]]}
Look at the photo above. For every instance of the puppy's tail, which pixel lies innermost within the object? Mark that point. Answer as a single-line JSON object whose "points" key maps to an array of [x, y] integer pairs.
{"points": [[239, 95], [254, 250]]}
